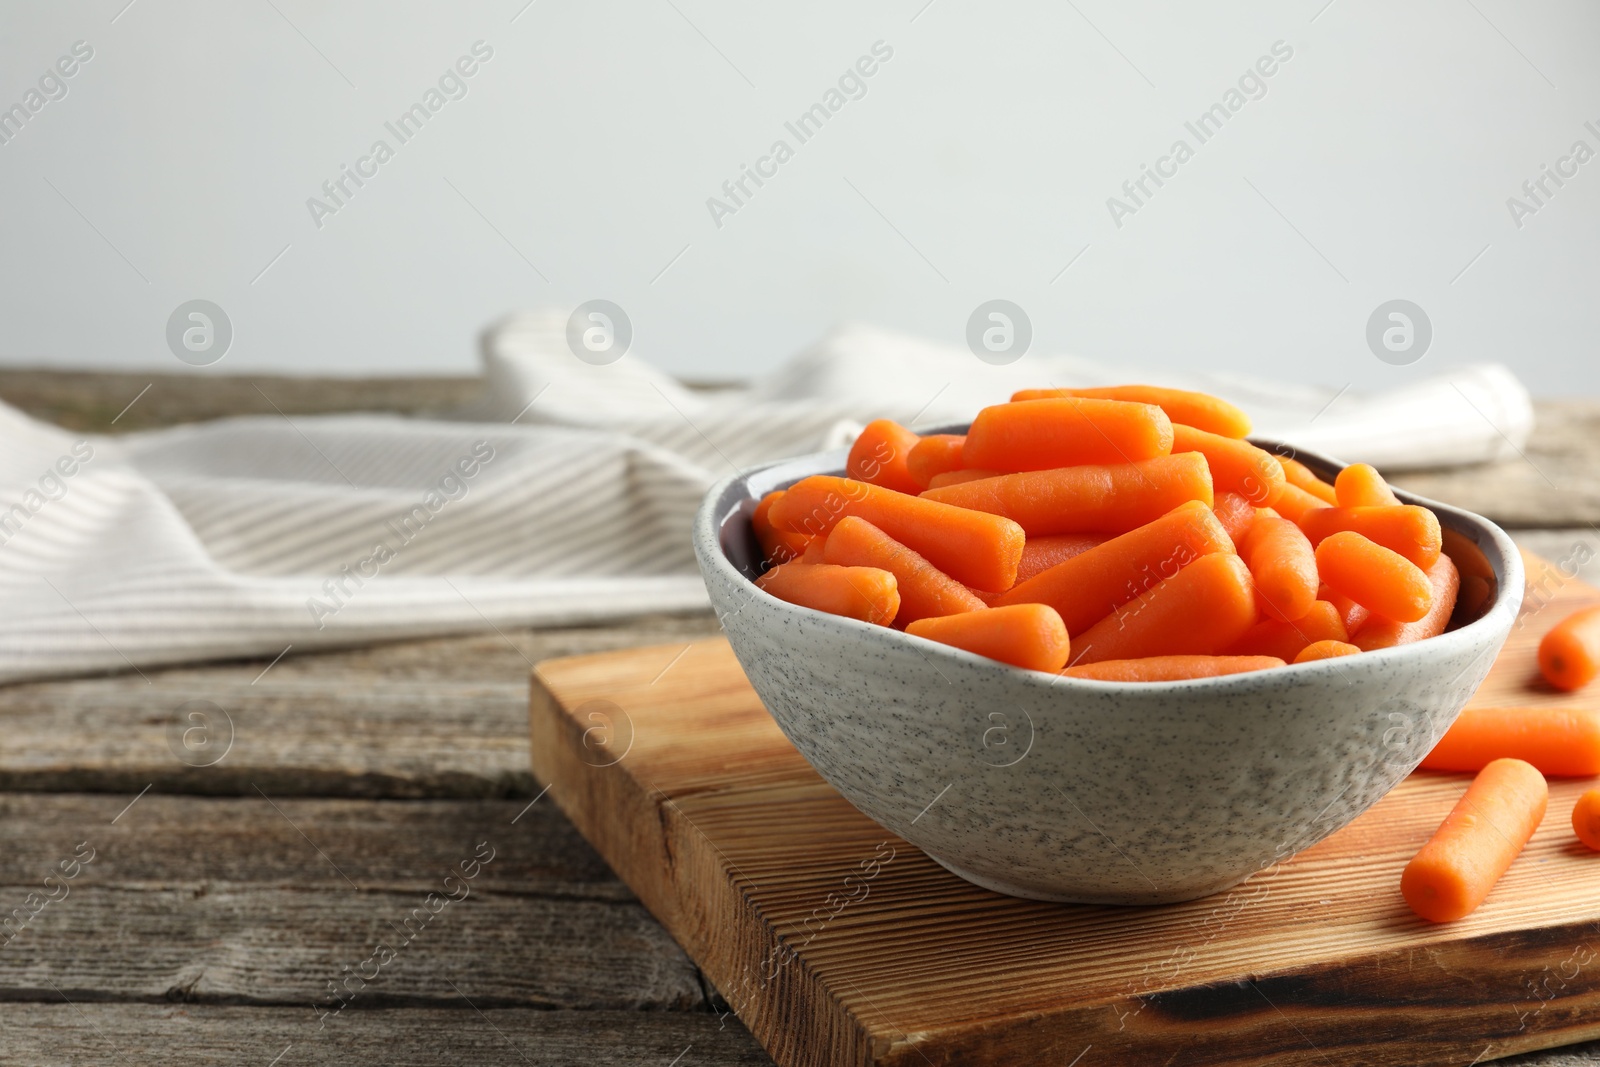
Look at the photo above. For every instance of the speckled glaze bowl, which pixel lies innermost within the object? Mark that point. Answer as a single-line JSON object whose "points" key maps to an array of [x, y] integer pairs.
{"points": [[1096, 792]]}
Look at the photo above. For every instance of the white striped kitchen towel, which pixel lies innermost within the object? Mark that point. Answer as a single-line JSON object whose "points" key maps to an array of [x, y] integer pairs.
{"points": [[564, 496]]}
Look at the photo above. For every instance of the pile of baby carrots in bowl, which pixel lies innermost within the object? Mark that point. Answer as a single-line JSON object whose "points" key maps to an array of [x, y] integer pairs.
{"points": [[1131, 534], [1131, 531]]}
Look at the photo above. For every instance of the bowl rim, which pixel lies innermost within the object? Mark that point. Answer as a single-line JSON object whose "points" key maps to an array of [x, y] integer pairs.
{"points": [[1496, 544]]}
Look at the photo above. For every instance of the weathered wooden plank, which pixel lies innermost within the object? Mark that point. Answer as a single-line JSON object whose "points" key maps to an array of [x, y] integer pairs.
{"points": [[55, 1035], [438, 718]]}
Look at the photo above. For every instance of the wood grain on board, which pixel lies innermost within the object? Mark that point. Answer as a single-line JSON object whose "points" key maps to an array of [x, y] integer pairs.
{"points": [[688, 789]]}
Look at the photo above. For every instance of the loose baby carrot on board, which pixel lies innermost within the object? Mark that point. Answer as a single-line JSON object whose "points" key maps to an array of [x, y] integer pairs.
{"points": [[1486, 831], [1170, 668], [1586, 819], [1380, 632], [1569, 655], [956, 477], [1199, 410], [1236, 466], [1201, 610], [1286, 640], [1560, 742], [1093, 498], [1087, 586], [1039, 554], [1235, 513], [935, 454], [1360, 485], [925, 590], [1305, 479], [1375, 577], [1033, 435], [1024, 635], [864, 593], [777, 546], [1284, 566], [974, 548], [1407, 529], [879, 455], [1325, 650], [1295, 504]]}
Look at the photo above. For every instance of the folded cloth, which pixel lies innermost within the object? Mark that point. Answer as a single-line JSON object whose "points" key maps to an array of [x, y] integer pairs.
{"points": [[564, 496]]}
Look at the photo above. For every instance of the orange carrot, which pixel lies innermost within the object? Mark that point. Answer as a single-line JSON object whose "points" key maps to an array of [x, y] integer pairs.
{"points": [[1375, 577], [1110, 499], [777, 546], [1200, 611], [1379, 632], [935, 454], [925, 590], [1360, 485], [1236, 514], [1034, 435], [1352, 614], [974, 548], [1407, 529], [1305, 479], [1325, 650], [1477, 574], [1586, 819], [816, 551], [1563, 742], [956, 477], [1236, 466], [1479, 839], [1284, 566], [1170, 668], [1182, 406], [1295, 504], [1039, 554], [864, 593], [880, 454], [1085, 587], [1286, 640], [1029, 636], [1569, 655]]}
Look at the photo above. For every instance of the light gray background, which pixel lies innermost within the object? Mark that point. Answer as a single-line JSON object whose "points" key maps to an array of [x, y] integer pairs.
{"points": [[1377, 166]]}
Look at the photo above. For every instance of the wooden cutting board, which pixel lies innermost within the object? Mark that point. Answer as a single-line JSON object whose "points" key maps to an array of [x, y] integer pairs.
{"points": [[837, 943]]}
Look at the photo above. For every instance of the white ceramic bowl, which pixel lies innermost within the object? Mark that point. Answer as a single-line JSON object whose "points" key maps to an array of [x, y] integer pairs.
{"points": [[1099, 792]]}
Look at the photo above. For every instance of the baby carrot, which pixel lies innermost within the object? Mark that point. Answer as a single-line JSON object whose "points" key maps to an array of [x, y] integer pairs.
{"points": [[1029, 636], [864, 593], [1287, 640], [1284, 566], [1325, 650], [974, 548], [1093, 498], [1486, 830], [1085, 587], [1305, 479], [1170, 668], [1380, 632], [1201, 610], [1199, 410], [935, 454], [880, 454], [1236, 466], [1563, 742], [1039, 554], [1294, 503], [1352, 614], [1236, 514], [1375, 577], [1586, 819], [1407, 529], [1033, 435], [816, 551], [777, 546], [1360, 485], [956, 477], [1569, 655], [924, 589]]}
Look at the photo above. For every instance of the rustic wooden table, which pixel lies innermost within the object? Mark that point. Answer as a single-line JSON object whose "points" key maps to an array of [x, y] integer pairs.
{"points": [[234, 912]]}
